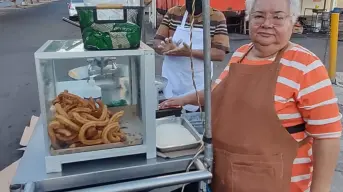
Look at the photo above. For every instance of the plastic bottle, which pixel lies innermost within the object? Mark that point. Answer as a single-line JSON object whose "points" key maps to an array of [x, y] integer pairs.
{"points": [[82, 88], [91, 90]]}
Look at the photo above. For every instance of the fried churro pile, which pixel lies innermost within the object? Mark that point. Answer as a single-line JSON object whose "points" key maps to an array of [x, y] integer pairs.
{"points": [[80, 122]]}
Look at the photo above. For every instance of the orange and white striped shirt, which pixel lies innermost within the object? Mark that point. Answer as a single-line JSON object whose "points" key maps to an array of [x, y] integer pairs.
{"points": [[303, 94]]}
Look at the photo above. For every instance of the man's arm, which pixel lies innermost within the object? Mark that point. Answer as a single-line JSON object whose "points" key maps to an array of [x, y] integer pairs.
{"points": [[325, 155], [219, 41], [216, 54], [192, 99], [162, 32]]}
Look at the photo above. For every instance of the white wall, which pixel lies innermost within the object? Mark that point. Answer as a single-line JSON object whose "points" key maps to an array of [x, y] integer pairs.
{"points": [[340, 3]]}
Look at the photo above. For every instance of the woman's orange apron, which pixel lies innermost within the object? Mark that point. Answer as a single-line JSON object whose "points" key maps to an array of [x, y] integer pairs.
{"points": [[253, 152]]}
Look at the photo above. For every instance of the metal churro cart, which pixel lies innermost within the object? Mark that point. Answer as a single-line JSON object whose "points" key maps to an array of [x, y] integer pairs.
{"points": [[112, 168]]}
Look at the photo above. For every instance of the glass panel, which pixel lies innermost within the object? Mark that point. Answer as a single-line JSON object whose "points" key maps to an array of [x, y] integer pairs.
{"points": [[115, 83], [65, 46], [49, 84], [113, 80]]}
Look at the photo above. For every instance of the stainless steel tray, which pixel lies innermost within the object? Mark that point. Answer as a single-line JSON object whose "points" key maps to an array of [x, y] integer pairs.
{"points": [[187, 125]]}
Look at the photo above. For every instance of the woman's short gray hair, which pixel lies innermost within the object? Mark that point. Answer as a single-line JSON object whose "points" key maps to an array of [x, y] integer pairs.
{"points": [[294, 6]]}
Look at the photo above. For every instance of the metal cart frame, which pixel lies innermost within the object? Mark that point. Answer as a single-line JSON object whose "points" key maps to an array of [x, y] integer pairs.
{"points": [[114, 176]]}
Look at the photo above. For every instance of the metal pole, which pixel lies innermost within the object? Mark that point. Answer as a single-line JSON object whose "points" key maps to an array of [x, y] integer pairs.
{"points": [[208, 159], [71, 22], [333, 46], [151, 183], [142, 4]]}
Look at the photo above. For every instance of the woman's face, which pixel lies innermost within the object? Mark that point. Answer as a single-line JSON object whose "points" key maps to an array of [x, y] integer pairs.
{"points": [[270, 22]]}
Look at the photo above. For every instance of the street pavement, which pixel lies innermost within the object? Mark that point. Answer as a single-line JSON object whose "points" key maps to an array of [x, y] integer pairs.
{"points": [[23, 31]]}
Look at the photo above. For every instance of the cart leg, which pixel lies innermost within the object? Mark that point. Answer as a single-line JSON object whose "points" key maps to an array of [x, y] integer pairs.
{"points": [[29, 187], [202, 186], [148, 75]]}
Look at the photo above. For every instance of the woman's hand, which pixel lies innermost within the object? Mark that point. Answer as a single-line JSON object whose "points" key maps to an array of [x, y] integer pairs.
{"points": [[172, 103], [166, 45], [184, 51]]}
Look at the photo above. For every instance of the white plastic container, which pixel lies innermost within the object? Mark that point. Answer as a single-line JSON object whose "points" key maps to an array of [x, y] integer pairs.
{"points": [[81, 88]]}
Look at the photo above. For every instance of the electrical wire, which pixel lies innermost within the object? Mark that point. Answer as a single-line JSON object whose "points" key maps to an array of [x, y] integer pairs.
{"points": [[201, 148]]}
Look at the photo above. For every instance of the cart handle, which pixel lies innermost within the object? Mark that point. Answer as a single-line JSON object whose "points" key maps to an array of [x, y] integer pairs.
{"points": [[109, 6], [152, 183]]}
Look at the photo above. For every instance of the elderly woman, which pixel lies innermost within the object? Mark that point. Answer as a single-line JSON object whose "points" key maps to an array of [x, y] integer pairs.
{"points": [[275, 119]]}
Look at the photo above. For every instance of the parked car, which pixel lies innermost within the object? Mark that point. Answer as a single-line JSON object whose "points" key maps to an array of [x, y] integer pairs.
{"points": [[72, 8]]}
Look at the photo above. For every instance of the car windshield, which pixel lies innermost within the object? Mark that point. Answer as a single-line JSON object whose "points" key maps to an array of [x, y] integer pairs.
{"points": [[77, 1]]}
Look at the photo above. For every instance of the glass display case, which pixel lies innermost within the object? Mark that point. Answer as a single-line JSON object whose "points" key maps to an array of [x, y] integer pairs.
{"points": [[95, 104]]}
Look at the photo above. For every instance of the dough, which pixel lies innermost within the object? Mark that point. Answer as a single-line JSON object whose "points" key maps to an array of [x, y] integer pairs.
{"points": [[173, 134]]}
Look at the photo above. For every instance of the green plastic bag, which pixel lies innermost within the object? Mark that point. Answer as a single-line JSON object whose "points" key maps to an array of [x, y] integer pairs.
{"points": [[107, 35]]}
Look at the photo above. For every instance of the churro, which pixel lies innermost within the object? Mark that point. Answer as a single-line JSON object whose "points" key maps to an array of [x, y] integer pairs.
{"points": [[91, 133], [92, 103], [80, 119], [82, 134], [64, 132], [77, 144], [97, 136], [104, 113], [116, 116], [69, 107], [52, 134], [98, 112], [113, 138], [89, 117], [68, 123], [66, 138], [109, 129], [78, 122], [60, 110], [81, 110]]}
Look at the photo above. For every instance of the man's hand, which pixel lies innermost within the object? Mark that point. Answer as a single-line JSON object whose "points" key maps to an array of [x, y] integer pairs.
{"points": [[173, 103], [184, 51], [166, 45]]}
